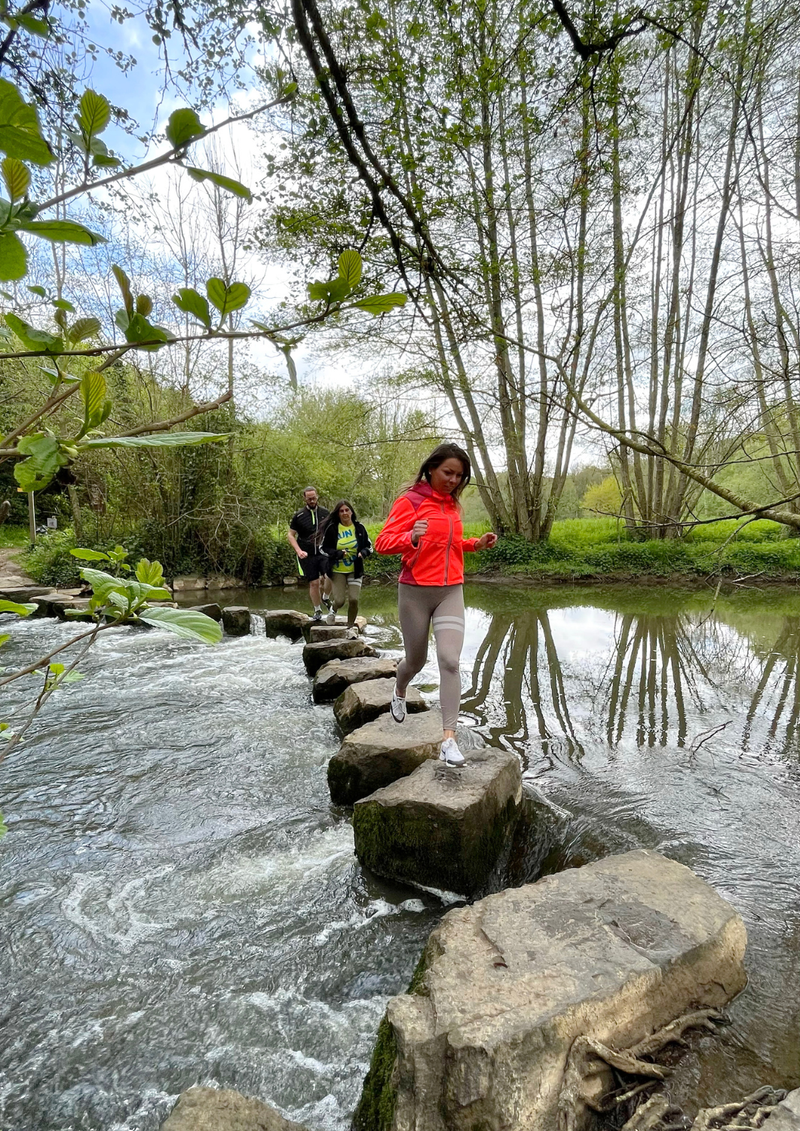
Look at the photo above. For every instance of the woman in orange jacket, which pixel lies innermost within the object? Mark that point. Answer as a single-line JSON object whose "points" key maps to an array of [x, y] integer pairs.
{"points": [[424, 525]]}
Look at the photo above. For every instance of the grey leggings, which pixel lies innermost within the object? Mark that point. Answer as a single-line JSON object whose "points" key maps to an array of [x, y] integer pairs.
{"points": [[418, 606], [345, 583]]}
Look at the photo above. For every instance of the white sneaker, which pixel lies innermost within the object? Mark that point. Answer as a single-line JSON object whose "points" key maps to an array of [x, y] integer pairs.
{"points": [[450, 754], [331, 617], [397, 707]]}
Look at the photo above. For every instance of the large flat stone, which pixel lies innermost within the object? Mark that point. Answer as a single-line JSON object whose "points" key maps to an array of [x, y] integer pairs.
{"points": [[212, 1109], [379, 753], [316, 655], [284, 622], [23, 593], [337, 675], [360, 703], [612, 951], [442, 827], [786, 1116], [211, 609]]}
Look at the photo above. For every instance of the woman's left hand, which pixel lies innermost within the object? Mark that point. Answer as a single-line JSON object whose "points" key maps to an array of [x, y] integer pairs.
{"points": [[486, 541]]}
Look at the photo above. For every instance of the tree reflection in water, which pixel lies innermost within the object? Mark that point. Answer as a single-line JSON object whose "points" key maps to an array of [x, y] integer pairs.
{"points": [[659, 679]]}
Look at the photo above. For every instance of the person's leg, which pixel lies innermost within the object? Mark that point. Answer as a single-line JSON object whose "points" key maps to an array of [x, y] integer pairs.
{"points": [[353, 597], [414, 607], [338, 595], [448, 629], [313, 592]]}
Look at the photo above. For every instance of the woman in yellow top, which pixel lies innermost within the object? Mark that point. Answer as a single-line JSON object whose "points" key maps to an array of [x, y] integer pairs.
{"points": [[346, 543]]}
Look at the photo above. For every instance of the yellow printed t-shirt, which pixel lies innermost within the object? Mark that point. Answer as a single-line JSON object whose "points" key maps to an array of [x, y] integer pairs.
{"points": [[347, 543]]}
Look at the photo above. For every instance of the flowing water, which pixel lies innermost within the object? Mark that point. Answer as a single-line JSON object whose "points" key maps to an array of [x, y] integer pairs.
{"points": [[179, 903]]}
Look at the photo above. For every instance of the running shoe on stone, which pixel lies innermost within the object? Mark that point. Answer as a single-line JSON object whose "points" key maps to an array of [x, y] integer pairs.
{"points": [[450, 754], [317, 617], [397, 707]]}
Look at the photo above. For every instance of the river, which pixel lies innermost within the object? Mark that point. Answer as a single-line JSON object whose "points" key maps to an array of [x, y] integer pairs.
{"points": [[181, 904]]}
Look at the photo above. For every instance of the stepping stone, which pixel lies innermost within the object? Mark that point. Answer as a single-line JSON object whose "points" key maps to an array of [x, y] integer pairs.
{"points": [[221, 1109], [313, 629], [379, 753], [284, 622], [613, 951], [362, 702], [315, 633], [23, 593], [337, 675], [442, 827], [210, 610], [236, 620], [45, 604], [315, 655]]}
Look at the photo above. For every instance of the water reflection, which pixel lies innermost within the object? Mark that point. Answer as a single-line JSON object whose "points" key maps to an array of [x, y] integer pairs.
{"points": [[548, 678]]}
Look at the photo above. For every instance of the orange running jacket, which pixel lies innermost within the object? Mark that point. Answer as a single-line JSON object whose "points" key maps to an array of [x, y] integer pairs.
{"points": [[438, 558]]}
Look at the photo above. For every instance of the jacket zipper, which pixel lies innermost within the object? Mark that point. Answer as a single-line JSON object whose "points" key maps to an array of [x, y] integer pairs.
{"points": [[447, 551]]}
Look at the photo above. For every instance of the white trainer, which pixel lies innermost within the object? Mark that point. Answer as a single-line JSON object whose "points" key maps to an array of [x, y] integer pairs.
{"points": [[331, 617], [397, 707], [450, 754]]}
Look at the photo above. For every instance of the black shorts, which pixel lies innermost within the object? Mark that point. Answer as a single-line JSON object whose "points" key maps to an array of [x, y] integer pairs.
{"points": [[313, 567]]}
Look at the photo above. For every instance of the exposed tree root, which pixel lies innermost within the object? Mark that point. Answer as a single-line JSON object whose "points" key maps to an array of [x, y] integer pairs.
{"points": [[590, 1078], [748, 1114]]}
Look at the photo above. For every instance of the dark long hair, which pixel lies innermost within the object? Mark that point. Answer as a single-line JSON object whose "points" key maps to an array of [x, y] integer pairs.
{"points": [[438, 456], [333, 517]]}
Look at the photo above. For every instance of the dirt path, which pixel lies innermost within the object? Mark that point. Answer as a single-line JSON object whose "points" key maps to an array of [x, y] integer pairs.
{"points": [[11, 572]]}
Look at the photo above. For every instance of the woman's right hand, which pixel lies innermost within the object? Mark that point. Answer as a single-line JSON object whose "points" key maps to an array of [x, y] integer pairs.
{"points": [[302, 554], [417, 530]]}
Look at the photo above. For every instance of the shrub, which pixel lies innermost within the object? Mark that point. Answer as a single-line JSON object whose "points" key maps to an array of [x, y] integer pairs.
{"points": [[50, 562]]}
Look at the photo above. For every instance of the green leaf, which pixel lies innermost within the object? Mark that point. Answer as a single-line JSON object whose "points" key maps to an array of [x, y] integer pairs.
{"points": [[13, 258], [192, 302], [89, 555], [105, 161], [139, 329], [226, 183], [350, 268], [22, 610], [125, 286], [155, 592], [332, 291], [20, 133], [93, 395], [32, 25], [37, 290], [227, 298], [144, 305], [94, 113], [157, 440], [150, 573], [4, 638], [82, 329], [184, 126], [16, 176], [187, 623], [63, 231], [32, 338], [103, 584], [380, 304], [44, 461], [63, 304]]}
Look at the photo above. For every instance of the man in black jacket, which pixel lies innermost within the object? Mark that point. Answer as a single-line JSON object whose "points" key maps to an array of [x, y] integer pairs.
{"points": [[302, 537]]}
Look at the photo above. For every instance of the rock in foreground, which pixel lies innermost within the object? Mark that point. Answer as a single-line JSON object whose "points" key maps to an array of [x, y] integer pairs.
{"points": [[442, 827], [335, 676], [612, 951], [786, 1116], [316, 655], [362, 702], [212, 1109], [236, 620], [379, 753]]}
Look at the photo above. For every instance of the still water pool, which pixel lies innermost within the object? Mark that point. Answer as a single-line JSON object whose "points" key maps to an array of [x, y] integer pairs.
{"points": [[180, 903]]}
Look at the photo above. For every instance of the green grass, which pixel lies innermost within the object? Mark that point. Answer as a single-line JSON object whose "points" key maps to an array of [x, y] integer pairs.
{"points": [[11, 536]]}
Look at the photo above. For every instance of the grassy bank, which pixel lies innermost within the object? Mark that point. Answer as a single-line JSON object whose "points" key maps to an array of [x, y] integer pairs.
{"points": [[579, 550]]}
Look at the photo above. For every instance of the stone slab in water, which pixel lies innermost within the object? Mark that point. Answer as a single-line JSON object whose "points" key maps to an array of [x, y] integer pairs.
{"points": [[284, 622], [316, 655], [212, 609], [45, 603], [786, 1116], [23, 593], [316, 630], [442, 827], [336, 676], [236, 620], [212, 1109], [380, 752], [614, 950], [362, 702]]}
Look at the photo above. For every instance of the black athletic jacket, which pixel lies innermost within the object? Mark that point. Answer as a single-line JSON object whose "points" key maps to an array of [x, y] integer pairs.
{"points": [[331, 537]]}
